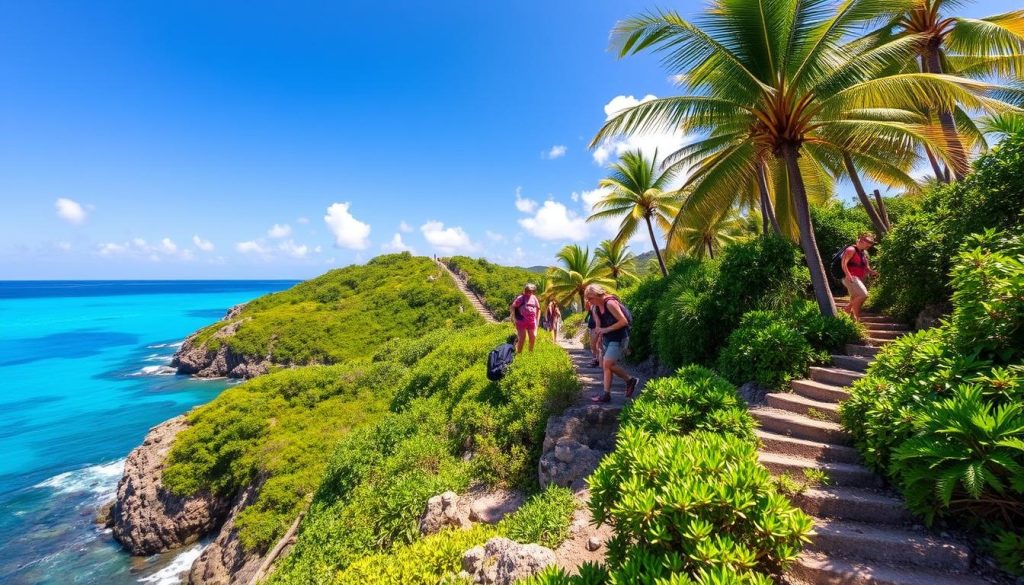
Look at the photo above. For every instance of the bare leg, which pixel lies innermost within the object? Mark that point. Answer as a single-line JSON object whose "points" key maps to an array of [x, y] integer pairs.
{"points": [[521, 334], [855, 305], [533, 336]]}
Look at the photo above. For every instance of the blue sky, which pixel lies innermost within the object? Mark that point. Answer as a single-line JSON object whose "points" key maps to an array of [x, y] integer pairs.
{"points": [[258, 140]]}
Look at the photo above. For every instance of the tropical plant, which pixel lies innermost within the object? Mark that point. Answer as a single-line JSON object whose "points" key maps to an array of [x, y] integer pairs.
{"points": [[954, 45], [704, 235], [775, 79], [637, 190], [765, 349], [615, 256], [579, 270]]}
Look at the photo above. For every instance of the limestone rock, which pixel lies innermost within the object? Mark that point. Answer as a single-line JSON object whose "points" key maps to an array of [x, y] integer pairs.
{"points": [[574, 444], [502, 561], [594, 543], [147, 518], [201, 361], [225, 561], [444, 510], [490, 507]]}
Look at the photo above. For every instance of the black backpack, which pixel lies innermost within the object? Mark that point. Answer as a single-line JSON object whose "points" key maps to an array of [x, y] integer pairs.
{"points": [[835, 268], [499, 360]]}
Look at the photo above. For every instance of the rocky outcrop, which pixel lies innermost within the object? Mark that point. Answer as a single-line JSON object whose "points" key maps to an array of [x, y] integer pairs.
{"points": [[478, 505], [198, 359], [574, 444], [147, 518], [442, 511], [225, 561], [502, 561]]}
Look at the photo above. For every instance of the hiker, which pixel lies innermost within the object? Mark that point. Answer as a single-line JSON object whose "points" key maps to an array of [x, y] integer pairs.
{"points": [[595, 339], [855, 268], [554, 318], [525, 309], [613, 327]]}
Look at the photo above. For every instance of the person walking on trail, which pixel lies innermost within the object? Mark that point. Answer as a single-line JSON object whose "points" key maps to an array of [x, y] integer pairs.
{"points": [[554, 318], [855, 267], [525, 310], [595, 339], [613, 327]]}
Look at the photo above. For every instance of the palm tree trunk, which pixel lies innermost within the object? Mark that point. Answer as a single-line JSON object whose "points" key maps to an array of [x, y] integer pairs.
{"points": [[711, 251], [956, 146], [766, 199], [939, 175], [873, 214], [819, 280], [657, 250], [882, 210]]}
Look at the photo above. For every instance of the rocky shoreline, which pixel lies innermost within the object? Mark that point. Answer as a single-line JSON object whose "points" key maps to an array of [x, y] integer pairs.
{"points": [[202, 362]]}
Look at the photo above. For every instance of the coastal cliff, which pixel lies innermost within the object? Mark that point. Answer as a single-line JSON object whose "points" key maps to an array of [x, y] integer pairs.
{"points": [[197, 358], [149, 519]]}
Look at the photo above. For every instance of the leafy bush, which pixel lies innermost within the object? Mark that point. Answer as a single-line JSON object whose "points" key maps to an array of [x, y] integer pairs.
{"points": [[345, 314], [765, 349], [940, 411], [825, 334], [544, 519], [572, 324], [648, 566], [694, 399], [496, 285], [689, 505], [921, 248]]}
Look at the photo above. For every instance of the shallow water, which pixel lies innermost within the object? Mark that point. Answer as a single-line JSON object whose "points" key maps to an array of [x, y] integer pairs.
{"points": [[83, 376]]}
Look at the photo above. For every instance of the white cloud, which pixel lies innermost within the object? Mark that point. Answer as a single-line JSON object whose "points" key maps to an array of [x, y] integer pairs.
{"points": [[556, 151], [524, 205], [140, 248], [397, 245], [292, 249], [70, 211], [494, 236], [204, 245], [278, 231], [555, 221], [348, 231], [405, 228], [446, 240], [167, 246], [111, 249], [250, 247], [665, 143]]}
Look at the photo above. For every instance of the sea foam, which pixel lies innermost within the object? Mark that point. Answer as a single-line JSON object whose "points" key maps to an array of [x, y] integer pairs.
{"points": [[100, 480], [156, 371], [173, 573]]}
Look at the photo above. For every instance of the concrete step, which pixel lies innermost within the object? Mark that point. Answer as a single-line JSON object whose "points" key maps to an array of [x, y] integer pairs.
{"points": [[816, 450], [877, 342], [819, 391], [790, 424], [885, 334], [841, 474], [819, 569], [814, 409], [889, 545], [851, 503], [841, 377], [862, 350], [871, 318], [851, 362], [885, 326]]}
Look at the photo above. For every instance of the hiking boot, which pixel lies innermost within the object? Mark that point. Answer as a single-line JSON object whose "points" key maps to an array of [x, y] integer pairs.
{"points": [[631, 387], [606, 397]]}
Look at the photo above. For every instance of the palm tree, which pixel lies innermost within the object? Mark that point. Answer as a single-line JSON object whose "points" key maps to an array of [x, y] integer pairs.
{"points": [[637, 190], [776, 73], [706, 236], [988, 47], [567, 282], [615, 256]]}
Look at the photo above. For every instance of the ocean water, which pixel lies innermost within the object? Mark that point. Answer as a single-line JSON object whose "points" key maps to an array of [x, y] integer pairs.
{"points": [[83, 376]]}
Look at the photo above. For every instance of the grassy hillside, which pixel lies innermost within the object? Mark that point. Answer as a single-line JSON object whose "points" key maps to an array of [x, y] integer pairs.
{"points": [[496, 285], [345, 313]]}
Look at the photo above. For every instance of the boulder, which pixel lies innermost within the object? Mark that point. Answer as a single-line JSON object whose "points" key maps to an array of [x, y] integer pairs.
{"points": [[753, 393], [225, 561], [491, 506], [503, 562], [149, 519], [444, 510], [574, 444]]}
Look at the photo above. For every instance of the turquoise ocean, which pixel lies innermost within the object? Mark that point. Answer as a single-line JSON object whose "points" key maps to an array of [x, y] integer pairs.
{"points": [[83, 376]]}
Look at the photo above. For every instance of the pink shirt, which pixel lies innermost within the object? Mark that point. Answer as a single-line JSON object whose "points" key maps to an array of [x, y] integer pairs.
{"points": [[528, 309]]}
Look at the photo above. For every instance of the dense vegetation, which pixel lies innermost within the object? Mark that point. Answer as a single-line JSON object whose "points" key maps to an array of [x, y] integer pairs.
{"points": [[380, 477], [919, 252], [345, 313], [496, 285], [941, 410], [686, 495]]}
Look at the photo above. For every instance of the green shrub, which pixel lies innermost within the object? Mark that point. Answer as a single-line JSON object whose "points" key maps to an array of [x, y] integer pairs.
{"points": [[680, 505], [544, 519], [496, 285], [825, 334], [1008, 549], [425, 562], [694, 399], [765, 349], [920, 250], [647, 569], [572, 324]]}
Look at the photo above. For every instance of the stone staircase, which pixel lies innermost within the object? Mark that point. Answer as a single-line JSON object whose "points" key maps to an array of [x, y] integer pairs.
{"points": [[474, 300], [863, 534]]}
